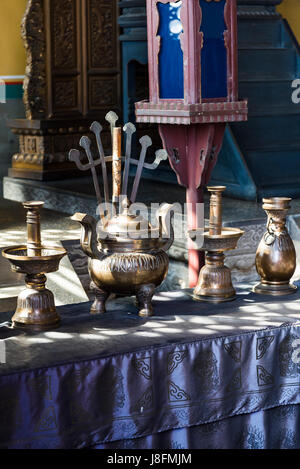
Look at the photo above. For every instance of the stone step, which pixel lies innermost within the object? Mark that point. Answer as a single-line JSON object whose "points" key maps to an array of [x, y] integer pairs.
{"points": [[271, 169], [267, 32], [269, 97], [263, 64], [265, 132], [277, 189]]}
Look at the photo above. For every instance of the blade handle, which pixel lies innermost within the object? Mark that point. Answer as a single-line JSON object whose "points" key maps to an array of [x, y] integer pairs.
{"points": [[117, 163]]}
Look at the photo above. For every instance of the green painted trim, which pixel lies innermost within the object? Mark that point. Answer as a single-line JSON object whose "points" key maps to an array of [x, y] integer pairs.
{"points": [[14, 91], [11, 91]]}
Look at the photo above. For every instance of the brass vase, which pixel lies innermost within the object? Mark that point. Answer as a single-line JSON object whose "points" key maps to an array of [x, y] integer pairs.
{"points": [[276, 255]]}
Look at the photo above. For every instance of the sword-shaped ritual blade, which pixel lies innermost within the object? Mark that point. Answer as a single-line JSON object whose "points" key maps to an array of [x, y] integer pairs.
{"points": [[85, 143], [111, 117], [96, 128], [129, 129], [145, 142]]}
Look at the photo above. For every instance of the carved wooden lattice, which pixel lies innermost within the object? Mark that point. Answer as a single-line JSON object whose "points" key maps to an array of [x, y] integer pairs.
{"points": [[72, 58], [33, 34]]}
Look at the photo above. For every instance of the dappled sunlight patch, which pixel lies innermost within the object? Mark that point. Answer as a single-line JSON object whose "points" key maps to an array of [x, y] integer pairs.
{"points": [[154, 324], [293, 307], [265, 314], [93, 336], [38, 340], [171, 296], [246, 327], [170, 330], [111, 332], [258, 308], [222, 327], [202, 320], [147, 334], [203, 331], [58, 335]]}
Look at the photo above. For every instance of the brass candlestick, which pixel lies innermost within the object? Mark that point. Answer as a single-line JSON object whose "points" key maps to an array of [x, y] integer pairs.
{"points": [[276, 255], [215, 283], [35, 307]]}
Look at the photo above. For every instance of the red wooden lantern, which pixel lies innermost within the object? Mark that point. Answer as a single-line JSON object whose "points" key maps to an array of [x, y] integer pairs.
{"points": [[192, 52]]}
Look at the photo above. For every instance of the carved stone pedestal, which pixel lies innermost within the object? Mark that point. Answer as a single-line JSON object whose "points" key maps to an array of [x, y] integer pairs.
{"points": [[44, 146]]}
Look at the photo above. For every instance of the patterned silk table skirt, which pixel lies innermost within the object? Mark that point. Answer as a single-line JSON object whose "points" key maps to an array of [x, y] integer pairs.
{"points": [[193, 376]]}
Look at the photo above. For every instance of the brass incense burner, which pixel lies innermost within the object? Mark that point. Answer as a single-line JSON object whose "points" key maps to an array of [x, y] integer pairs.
{"points": [[215, 283], [127, 256], [35, 307], [276, 255]]}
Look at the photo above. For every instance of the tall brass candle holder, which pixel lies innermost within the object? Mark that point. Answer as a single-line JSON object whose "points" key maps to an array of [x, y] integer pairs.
{"points": [[276, 255], [35, 306], [215, 283]]}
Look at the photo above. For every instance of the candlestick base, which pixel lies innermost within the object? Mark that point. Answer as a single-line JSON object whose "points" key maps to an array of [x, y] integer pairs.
{"points": [[211, 299], [214, 283], [35, 307]]}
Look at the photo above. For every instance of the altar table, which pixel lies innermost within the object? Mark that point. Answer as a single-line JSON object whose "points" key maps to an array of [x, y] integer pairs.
{"points": [[196, 375]]}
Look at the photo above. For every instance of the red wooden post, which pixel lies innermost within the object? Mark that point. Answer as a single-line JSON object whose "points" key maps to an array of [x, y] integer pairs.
{"points": [[192, 50]]}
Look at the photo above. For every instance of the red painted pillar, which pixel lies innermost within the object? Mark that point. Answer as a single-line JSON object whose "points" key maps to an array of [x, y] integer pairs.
{"points": [[194, 196], [193, 151]]}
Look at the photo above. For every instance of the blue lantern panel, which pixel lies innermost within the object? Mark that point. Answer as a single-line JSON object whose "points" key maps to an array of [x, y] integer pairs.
{"points": [[170, 57], [214, 53]]}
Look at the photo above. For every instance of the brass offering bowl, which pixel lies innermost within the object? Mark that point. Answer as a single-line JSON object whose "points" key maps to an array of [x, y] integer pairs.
{"points": [[35, 306], [276, 255], [215, 283]]}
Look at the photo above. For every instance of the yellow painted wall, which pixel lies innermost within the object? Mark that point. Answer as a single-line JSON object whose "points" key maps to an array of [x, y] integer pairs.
{"points": [[290, 9], [12, 53]]}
